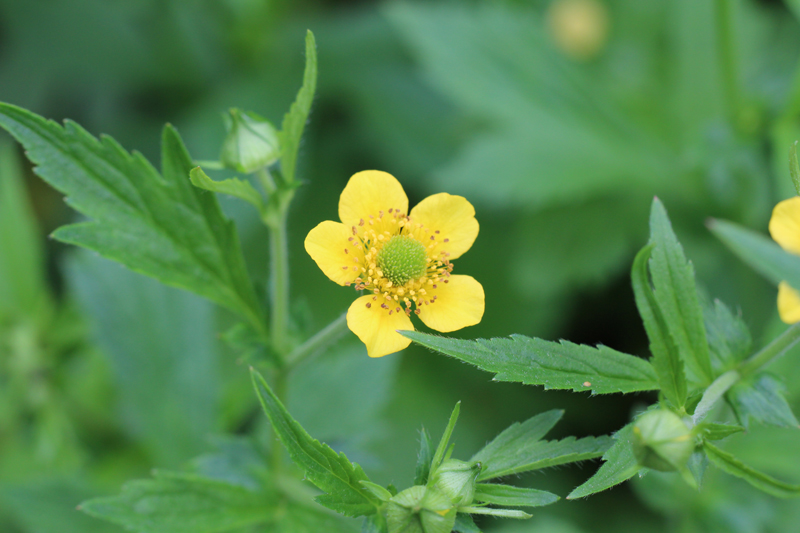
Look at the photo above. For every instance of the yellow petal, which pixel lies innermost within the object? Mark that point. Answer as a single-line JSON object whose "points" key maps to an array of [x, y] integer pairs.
{"points": [[337, 257], [453, 217], [784, 226], [368, 194], [788, 303], [376, 327], [459, 303]]}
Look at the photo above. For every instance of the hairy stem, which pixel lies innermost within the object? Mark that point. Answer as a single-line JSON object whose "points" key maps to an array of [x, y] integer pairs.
{"points": [[772, 351], [323, 338], [279, 284], [727, 58]]}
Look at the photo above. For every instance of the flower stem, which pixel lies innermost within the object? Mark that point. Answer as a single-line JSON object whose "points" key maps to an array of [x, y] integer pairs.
{"points": [[279, 283], [727, 58], [772, 351], [324, 337]]}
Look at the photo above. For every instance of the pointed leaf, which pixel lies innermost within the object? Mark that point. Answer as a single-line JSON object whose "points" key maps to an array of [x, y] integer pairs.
{"points": [[762, 398], [439, 455], [234, 187], [728, 336], [556, 365], [666, 361], [759, 480], [189, 243], [758, 251], [295, 120], [620, 465], [184, 503], [333, 473], [509, 496], [424, 458], [713, 431], [676, 294]]}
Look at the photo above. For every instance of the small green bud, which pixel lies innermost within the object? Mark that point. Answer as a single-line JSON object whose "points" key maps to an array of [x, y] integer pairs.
{"points": [[662, 441], [420, 509], [457, 480], [251, 143]]}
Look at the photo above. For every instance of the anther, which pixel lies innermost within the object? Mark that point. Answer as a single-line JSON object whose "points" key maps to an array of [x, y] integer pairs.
{"points": [[369, 305], [361, 222]]}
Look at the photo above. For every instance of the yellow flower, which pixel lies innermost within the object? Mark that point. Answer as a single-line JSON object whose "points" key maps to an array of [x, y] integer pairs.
{"points": [[784, 226], [401, 260]]}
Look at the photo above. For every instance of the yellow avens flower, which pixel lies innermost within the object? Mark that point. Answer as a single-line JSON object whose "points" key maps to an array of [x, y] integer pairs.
{"points": [[401, 260], [784, 226]]}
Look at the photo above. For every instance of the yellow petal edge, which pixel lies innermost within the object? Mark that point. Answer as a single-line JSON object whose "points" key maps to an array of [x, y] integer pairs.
{"points": [[376, 327]]}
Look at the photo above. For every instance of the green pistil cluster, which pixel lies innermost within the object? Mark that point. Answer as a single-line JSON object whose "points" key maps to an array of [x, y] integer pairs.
{"points": [[402, 259]]}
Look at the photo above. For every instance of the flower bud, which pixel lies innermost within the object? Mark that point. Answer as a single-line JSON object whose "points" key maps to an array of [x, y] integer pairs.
{"points": [[456, 479], [420, 509], [662, 441], [251, 143]]}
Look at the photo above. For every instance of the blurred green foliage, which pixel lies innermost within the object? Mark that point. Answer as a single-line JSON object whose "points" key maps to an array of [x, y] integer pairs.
{"points": [[105, 375]]}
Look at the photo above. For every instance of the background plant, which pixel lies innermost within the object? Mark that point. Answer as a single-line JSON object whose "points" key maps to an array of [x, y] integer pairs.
{"points": [[383, 64]]}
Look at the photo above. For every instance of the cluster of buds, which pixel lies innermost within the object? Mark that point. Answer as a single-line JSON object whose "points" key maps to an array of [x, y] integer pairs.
{"points": [[662, 441]]}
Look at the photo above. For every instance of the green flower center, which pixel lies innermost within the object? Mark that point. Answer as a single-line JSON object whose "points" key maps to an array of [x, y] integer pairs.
{"points": [[402, 259]]}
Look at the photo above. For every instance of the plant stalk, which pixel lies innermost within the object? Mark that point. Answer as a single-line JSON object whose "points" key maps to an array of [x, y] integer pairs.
{"points": [[772, 351], [279, 283], [727, 59], [324, 337]]}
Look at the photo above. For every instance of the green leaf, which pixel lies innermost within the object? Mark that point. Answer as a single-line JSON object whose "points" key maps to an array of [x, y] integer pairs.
{"points": [[761, 253], [519, 448], [439, 454], [762, 398], [729, 338], [333, 473], [378, 491], [159, 225], [759, 480], [424, 458], [713, 431], [794, 167], [160, 344], [510, 496], [174, 502], [620, 465], [295, 120], [675, 292], [555, 365], [666, 361], [22, 276], [465, 524], [234, 187]]}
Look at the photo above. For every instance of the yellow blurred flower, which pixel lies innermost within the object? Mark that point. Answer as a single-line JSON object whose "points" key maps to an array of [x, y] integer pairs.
{"points": [[401, 260], [578, 27], [784, 226]]}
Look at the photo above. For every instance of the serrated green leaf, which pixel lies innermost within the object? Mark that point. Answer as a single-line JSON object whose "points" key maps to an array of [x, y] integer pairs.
{"points": [[761, 253], [676, 294], [759, 480], [22, 276], [713, 431], [174, 502], [729, 339], [666, 361], [333, 473], [295, 120], [519, 448], [159, 225], [424, 458], [510, 496], [762, 398], [465, 524], [620, 465], [234, 187], [439, 454], [555, 365]]}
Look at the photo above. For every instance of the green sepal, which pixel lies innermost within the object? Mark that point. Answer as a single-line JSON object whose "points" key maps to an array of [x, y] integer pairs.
{"points": [[759, 480], [424, 458], [507, 495], [251, 143], [662, 440], [729, 338], [666, 360], [379, 492], [438, 456], [234, 187], [502, 513], [555, 365], [332, 473], [465, 524], [714, 431]]}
